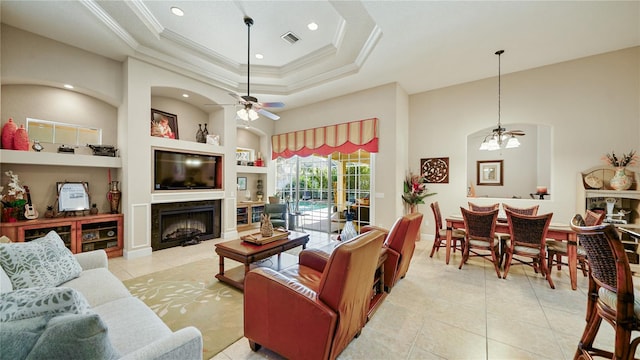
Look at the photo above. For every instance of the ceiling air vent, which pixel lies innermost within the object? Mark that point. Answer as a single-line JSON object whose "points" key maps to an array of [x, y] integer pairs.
{"points": [[290, 37]]}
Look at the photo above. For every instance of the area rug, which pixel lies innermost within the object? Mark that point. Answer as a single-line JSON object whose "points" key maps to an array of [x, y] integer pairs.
{"points": [[190, 295]]}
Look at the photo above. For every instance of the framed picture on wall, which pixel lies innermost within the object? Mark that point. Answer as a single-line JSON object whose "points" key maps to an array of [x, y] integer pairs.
{"points": [[435, 170], [164, 124], [242, 183], [490, 172]]}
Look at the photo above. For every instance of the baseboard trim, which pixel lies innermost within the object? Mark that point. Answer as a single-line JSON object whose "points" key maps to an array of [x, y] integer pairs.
{"points": [[137, 253]]}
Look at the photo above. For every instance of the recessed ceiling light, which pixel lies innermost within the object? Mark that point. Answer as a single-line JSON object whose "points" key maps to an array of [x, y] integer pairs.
{"points": [[259, 56], [312, 26], [68, 86], [177, 11], [185, 95]]}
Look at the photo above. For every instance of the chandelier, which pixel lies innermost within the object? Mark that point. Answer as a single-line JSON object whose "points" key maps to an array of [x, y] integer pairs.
{"points": [[500, 137]]}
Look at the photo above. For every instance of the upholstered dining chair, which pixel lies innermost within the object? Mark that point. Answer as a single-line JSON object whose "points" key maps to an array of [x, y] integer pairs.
{"points": [[557, 249], [610, 295], [480, 230], [528, 236], [457, 235], [314, 309]]}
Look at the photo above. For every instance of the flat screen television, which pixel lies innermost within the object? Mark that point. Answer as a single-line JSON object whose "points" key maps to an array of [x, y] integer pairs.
{"points": [[175, 170]]}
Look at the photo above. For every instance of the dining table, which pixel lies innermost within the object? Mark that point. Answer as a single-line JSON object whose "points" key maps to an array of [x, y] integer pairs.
{"points": [[556, 231]]}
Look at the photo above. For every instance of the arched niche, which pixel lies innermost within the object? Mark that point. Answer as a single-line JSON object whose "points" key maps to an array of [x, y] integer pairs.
{"points": [[524, 168]]}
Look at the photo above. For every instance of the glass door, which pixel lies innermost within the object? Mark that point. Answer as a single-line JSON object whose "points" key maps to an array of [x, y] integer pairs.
{"points": [[320, 201]]}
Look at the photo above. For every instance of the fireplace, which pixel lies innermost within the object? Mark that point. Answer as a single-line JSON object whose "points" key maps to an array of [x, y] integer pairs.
{"points": [[184, 223]]}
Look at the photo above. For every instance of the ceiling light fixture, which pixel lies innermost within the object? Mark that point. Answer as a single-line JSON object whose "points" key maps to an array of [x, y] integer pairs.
{"points": [[259, 56], [247, 113], [185, 95], [177, 11], [499, 136], [312, 26], [68, 86]]}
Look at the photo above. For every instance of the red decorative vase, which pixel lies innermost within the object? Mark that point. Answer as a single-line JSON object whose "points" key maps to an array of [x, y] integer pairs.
{"points": [[8, 133], [21, 139]]}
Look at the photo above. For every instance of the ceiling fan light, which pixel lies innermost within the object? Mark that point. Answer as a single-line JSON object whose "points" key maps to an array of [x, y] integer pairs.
{"points": [[512, 143], [253, 115], [243, 114], [484, 146]]}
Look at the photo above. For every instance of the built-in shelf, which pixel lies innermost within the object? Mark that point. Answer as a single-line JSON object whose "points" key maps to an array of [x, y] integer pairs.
{"points": [[251, 169], [186, 145], [630, 194], [58, 159]]}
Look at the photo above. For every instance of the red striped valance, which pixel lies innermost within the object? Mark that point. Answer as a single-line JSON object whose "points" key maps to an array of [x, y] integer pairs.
{"points": [[345, 138]]}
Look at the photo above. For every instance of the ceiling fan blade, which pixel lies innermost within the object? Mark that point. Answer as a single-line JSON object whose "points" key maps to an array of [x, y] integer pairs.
{"points": [[268, 114], [516, 132], [236, 96], [277, 104]]}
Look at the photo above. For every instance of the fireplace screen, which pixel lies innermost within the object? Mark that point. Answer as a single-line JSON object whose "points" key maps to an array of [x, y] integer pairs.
{"points": [[181, 224]]}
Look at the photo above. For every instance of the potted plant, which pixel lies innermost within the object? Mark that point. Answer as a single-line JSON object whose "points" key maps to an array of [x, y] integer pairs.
{"points": [[415, 190], [275, 198]]}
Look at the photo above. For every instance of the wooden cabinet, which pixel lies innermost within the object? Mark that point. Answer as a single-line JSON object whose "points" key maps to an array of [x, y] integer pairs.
{"points": [[248, 215], [80, 233]]}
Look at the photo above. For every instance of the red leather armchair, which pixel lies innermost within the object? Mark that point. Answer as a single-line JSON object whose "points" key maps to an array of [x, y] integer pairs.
{"points": [[314, 309], [399, 246]]}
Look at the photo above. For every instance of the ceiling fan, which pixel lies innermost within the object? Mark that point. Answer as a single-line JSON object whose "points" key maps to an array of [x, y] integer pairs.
{"points": [[251, 106], [499, 136]]}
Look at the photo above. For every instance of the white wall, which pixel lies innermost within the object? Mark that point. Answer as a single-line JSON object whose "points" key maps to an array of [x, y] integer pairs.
{"points": [[591, 103]]}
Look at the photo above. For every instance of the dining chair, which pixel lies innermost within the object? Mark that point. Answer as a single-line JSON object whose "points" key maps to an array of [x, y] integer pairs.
{"points": [[533, 210], [501, 237], [557, 249], [480, 229], [457, 235], [479, 208], [610, 295], [528, 235]]}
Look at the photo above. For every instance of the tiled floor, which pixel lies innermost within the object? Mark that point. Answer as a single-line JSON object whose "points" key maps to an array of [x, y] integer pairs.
{"points": [[440, 312]]}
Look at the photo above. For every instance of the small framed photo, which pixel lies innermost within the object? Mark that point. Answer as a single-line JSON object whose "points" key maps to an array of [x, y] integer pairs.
{"points": [[490, 172], [246, 155], [242, 183], [164, 124]]}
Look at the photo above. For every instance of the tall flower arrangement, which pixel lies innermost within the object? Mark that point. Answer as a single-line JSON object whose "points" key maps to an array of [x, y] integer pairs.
{"points": [[625, 160], [415, 190]]}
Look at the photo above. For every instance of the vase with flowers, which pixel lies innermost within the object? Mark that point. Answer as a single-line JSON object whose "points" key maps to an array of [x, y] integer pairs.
{"points": [[415, 190], [620, 180], [13, 200]]}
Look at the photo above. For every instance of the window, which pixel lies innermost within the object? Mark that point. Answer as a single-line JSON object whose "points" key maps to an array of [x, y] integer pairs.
{"points": [[55, 132]]}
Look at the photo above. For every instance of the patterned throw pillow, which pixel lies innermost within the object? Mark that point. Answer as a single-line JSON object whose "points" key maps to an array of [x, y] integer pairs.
{"points": [[41, 262], [59, 336], [27, 303]]}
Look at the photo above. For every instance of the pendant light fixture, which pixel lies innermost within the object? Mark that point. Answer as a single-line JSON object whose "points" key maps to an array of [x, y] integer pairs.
{"points": [[499, 136]]}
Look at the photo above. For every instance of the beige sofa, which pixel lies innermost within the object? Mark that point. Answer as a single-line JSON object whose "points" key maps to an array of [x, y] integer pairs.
{"points": [[134, 330]]}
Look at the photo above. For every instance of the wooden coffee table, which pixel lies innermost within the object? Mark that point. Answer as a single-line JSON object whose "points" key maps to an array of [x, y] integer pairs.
{"points": [[248, 254]]}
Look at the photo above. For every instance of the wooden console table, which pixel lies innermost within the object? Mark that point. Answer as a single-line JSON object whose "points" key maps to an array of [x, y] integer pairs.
{"points": [[80, 233]]}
